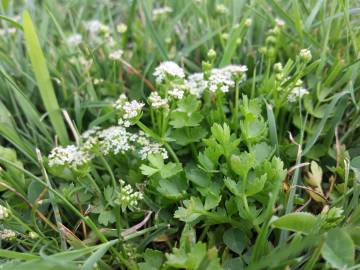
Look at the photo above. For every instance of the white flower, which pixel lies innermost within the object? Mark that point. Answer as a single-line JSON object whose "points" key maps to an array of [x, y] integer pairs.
{"points": [[196, 84], [161, 11], [119, 103], [222, 9], [132, 109], [238, 71], [220, 79], [121, 28], [157, 102], [248, 22], [296, 93], [93, 26], [116, 55], [70, 156], [7, 234], [74, 40], [115, 140], [127, 197], [305, 55], [168, 68], [279, 23], [4, 212], [176, 93], [98, 81]]}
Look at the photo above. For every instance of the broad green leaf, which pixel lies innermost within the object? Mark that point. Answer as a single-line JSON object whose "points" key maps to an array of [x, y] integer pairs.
{"points": [[197, 176], [296, 222], [43, 78], [236, 240], [338, 249], [241, 164]]}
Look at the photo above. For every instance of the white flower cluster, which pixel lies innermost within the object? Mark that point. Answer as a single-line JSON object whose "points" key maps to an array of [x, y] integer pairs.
{"points": [[129, 109], [95, 26], [116, 55], [7, 234], [74, 40], [127, 197], [114, 140], [147, 147], [168, 69], [196, 84], [70, 155], [297, 92], [177, 93], [118, 140], [219, 79], [222, 9], [158, 12], [4, 212], [157, 102], [132, 109]]}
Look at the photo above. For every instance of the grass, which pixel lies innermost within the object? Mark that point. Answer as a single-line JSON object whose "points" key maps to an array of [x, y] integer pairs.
{"points": [[244, 167]]}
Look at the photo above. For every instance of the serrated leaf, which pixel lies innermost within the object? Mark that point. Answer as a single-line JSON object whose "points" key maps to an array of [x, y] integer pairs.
{"points": [[256, 185]]}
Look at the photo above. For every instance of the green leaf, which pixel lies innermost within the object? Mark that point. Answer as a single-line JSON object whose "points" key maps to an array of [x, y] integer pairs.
{"points": [[255, 185], [43, 79], [106, 217], [184, 137], [241, 164], [172, 188], [234, 187], [338, 249], [191, 211], [261, 152], [236, 240], [197, 176], [296, 222], [153, 260], [170, 169]]}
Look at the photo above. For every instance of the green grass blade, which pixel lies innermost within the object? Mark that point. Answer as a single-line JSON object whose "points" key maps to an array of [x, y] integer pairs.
{"points": [[43, 78], [330, 108], [17, 255], [12, 22], [272, 127]]}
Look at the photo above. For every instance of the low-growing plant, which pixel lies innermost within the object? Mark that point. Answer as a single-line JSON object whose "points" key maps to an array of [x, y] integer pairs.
{"points": [[113, 156]]}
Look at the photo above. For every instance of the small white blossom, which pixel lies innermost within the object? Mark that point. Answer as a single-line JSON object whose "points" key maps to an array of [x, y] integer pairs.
{"points": [[121, 28], [98, 81], [161, 11], [132, 109], [128, 197], [238, 71], [157, 102], [119, 103], [4, 212], [196, 84], [222, 9], [248, 22], [93, 26], [70, 156], [305, 55], [296, 93], [220, 79], [279, 23], [7, 234], [176, 93], [168, 68], [114, 140], [116, 55], [74, 40]]}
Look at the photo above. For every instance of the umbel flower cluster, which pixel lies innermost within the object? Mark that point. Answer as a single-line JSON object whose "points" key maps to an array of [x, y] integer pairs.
{"points": [[128, 197]]}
